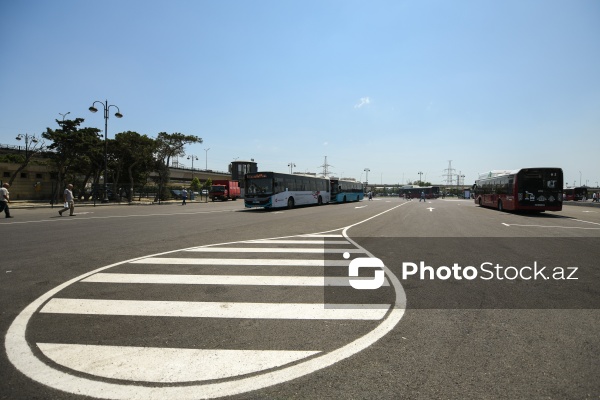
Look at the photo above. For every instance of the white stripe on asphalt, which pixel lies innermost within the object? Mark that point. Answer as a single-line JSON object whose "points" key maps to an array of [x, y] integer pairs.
{"points": [[270, 250], [301, 311], [322, 236], [267, 241], [166, 365], [240, 261], [222, 280]]}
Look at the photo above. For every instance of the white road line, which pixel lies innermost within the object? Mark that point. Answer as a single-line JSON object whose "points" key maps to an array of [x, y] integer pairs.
{"points": [[551, 226], [322, 236], [76, 218], [240, 261], [248, 280], [301, 311], [166, 365], [270, 250], [282, 241], [587, 222]]}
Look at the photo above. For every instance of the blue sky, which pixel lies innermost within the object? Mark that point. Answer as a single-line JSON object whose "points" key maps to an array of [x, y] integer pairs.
{"points": [[394, 86]]}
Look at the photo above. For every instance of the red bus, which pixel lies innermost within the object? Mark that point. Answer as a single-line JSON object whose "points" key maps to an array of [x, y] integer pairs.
{"points": [[527, 189], [575, 194]]}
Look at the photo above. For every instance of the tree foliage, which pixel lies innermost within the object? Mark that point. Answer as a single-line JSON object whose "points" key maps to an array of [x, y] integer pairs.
{"points": [[31, 149], [80, 156], [169, 145], [74, 152]]}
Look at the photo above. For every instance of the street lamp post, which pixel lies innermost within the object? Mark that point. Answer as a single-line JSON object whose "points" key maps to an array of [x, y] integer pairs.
{"points": [[64, 115], [28, 138], [192, 157], [206, 158], [118, 115], [367, 175], [291, 165]]}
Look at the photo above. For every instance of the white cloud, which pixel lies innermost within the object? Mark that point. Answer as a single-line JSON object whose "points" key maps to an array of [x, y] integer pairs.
{"points": [[363, 102]]}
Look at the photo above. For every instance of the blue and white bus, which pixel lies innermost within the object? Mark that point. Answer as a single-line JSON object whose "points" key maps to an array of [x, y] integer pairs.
{"points": [[344, 190], [277, 190]]}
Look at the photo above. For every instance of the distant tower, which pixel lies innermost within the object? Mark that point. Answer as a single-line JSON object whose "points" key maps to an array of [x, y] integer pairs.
{"points": [[449, 173], [325, 167]]}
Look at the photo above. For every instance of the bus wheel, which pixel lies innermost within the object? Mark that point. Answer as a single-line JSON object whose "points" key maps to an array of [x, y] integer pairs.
{"points": [[500, 208], [290, 203], [320, 201]]}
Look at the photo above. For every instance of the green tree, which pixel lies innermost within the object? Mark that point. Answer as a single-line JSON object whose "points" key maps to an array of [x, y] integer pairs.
{"points": [[195, 185], [169, 145], [74, 152], [32, 148], [133, 156], [420, 183]]}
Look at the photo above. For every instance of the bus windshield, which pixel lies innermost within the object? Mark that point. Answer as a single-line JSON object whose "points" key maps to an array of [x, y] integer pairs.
{"points": [[260, 186]]}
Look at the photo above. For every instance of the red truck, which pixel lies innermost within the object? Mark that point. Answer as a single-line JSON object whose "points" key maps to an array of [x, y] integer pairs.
{"points": [[224, 190]]}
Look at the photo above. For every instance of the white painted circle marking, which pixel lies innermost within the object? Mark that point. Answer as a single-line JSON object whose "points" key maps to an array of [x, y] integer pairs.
{"points": [[21, 356]]}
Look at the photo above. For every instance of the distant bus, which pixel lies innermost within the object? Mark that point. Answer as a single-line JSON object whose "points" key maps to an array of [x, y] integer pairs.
{"points": [[277, 190], [528, 189], [575, 194], [431, 192], [343, 191]]}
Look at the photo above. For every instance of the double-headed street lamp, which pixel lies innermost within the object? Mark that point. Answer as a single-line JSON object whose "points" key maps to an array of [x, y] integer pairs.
{"points": [[291, 165], [367, 170], [64, 115], [192, 157], [28, 138], [118, 115]]}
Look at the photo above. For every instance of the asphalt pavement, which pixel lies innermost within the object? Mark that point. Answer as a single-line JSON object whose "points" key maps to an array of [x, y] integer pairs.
{"points": [[211, 300]]}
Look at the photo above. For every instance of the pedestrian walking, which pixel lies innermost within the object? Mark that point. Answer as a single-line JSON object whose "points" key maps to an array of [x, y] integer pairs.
{"points": [[370, 195], [184, 194], [4, 200], [69, 201], [594, 197], [422, 197]]}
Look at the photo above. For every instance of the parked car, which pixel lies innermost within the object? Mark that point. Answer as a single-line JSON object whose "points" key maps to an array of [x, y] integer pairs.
{"points": [[176, 193]]}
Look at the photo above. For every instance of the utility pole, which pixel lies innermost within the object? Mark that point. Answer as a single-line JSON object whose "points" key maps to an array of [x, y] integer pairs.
{"points": [[420, 181]]}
